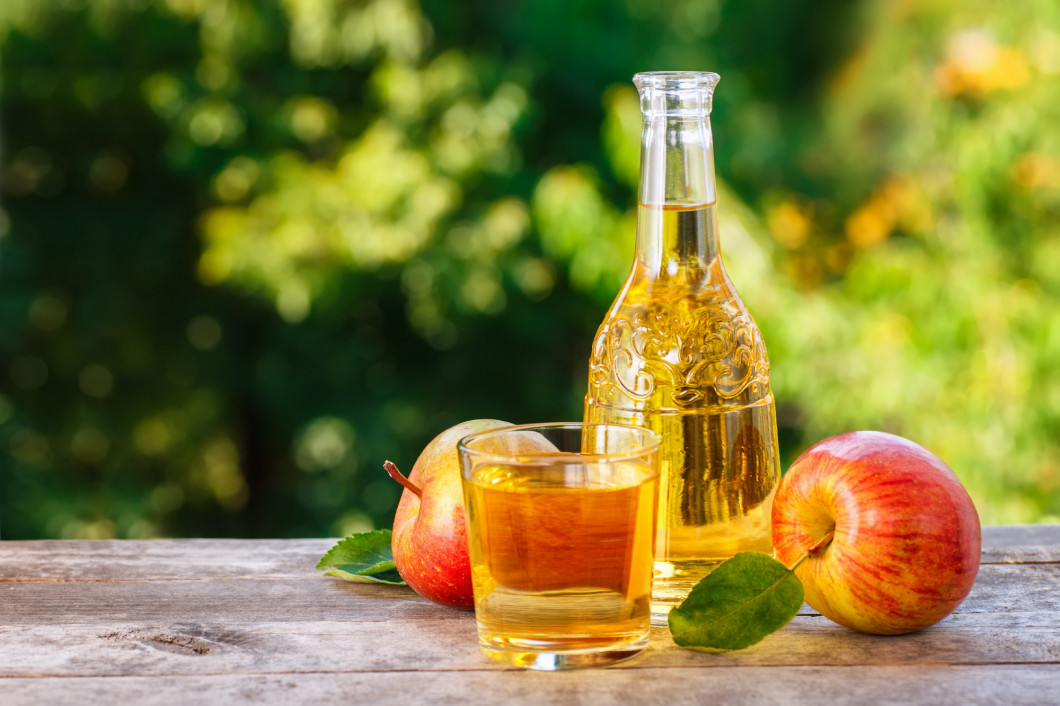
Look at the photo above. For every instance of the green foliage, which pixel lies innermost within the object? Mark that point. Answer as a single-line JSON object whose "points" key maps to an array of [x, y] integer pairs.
{"points": [[746, 598], [365, 557], [248, 250]]}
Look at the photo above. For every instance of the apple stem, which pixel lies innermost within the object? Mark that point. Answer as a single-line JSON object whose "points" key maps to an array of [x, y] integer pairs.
{"points": [[816, 549], [397, 475]]}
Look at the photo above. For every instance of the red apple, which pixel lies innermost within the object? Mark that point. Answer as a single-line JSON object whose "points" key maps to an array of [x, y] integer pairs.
{"points": [[430, 536], [906, 542]]}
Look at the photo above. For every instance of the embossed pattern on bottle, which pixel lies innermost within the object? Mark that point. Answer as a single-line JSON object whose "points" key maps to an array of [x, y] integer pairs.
{"points": [[679, 353]]}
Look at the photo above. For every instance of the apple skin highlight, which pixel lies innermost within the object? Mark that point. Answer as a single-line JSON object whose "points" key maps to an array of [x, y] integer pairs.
{"points": [[430, 534], [907, 538]]}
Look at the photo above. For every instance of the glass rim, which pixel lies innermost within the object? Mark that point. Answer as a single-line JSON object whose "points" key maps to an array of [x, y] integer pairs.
{"points": [[651, 443]]}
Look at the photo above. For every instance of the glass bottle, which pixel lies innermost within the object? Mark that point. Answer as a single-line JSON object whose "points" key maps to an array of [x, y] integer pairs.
{"points": [[678, 352]]}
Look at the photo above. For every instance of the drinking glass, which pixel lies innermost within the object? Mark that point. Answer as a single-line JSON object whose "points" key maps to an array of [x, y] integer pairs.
{"points": [[561, 528]]}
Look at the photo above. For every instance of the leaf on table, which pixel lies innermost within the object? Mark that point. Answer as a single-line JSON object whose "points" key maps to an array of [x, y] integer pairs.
{"points": [[746, 598], [363, 558]]}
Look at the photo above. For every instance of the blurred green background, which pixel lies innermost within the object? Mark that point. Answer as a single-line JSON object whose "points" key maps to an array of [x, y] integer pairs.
{"points": [[249, 249]]}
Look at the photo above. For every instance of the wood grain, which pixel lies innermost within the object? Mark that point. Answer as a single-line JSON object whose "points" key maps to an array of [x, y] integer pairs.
{"points": [[237, 621], [170, 558], [1011, 685], [1021, 544]]}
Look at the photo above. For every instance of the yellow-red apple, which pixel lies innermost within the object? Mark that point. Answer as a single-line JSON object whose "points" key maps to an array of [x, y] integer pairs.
{"points": [[430, 534], [906, 542]]}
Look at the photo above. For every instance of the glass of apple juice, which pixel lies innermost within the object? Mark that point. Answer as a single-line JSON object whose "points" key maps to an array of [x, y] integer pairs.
{"points": [[561, 532]]}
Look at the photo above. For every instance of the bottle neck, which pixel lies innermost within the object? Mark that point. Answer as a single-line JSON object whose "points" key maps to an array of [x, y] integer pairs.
{"points": [[677, 221]]}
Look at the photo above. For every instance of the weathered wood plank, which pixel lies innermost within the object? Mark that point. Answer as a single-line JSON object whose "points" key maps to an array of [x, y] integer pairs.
{"points": [[235, 558], [213, 601], [320, 624], [1011, 685], [1020, 544], [165, 558], [1000, 588], [234, 648]]}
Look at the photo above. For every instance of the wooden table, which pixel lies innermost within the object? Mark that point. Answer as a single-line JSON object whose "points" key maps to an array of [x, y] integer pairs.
{"points": [[234, 621]]}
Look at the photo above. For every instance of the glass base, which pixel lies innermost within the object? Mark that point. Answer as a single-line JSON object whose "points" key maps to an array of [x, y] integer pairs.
{"points": [[542, 658]]}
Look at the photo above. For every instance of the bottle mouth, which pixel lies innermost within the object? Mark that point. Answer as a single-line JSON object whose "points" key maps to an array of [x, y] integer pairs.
{"points": [[676, 80], [676, 93]]}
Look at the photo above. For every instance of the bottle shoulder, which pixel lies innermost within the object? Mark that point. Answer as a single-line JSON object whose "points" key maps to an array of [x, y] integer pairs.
{"points": [[680, 343]]}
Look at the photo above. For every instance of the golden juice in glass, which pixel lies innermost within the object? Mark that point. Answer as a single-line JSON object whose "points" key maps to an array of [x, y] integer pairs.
{"points": [[562, 552]]}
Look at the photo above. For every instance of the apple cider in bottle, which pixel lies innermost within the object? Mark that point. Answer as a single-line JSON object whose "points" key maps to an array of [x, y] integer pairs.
{"points": [[678, 353]]}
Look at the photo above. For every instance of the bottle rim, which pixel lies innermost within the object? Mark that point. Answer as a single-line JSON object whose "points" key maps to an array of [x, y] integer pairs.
{"points": [[676, 80]]}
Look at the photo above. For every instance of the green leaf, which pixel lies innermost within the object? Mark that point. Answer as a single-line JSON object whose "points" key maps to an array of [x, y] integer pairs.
{"points": [[362, 558], [746, 598]]}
